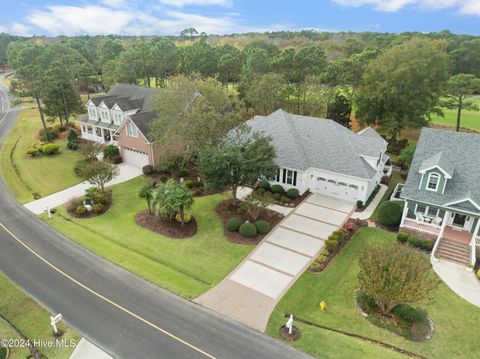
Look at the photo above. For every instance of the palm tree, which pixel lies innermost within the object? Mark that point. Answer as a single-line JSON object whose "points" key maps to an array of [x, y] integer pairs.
{"points": [[146, 193]]}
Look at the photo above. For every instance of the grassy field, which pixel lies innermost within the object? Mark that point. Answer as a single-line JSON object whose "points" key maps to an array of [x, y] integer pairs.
{"points": [[31, 320], [470, 119], [455, 319], [188, 267], [45, 174]]}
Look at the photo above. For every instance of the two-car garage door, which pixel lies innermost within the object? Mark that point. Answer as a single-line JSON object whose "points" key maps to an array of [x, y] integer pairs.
{"points": [[332, 188], [135, 158]]}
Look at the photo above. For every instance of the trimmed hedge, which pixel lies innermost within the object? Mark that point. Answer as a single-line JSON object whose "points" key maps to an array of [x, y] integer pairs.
{"points": [[147, 170], [293, 193], [413, 241], [184, 172], [390, 213], [247, 230], [263, 227], [188, 183], [278, 189], [50, 149], [264, 184], [234, 223], [409, 314], [402, 237]]}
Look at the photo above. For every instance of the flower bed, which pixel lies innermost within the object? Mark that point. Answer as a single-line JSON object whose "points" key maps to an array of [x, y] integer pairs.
{"points": [[335, 243], [166, 227], [226, 211], [279, 196], [86, 207]]}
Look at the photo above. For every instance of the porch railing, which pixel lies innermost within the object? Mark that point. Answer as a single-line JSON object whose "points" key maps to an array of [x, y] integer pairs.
{"points": [[422, 226]]}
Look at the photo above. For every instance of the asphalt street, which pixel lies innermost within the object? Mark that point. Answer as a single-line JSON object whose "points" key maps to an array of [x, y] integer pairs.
{"points": [[121, 313]]}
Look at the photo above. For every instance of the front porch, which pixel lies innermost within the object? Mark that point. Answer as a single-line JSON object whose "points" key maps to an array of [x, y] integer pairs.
{"points": [[98, 134]]}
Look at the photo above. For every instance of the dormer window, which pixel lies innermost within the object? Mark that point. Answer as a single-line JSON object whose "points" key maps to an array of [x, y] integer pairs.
{"points": [[433, 181]]}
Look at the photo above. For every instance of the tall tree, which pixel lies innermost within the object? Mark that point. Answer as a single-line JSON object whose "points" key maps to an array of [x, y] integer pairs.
{"points": [[267, 93], [459, 89], [166, 56], [229, 64], [340, 109], [402, 87]]}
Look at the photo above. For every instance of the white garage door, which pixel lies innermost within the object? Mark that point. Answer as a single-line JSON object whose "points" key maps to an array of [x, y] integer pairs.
{"points": [[134, 158], [331, 188]]}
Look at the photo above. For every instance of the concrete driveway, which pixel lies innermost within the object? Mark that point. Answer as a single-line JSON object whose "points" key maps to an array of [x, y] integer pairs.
{"points": [[127, 172], [249, 294]]}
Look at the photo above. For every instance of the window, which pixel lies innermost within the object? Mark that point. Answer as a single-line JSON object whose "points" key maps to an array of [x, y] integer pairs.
{"points": [[321, 179], [332, 181], [421, 209], [433, 181], [432, 212], [132, 130], [342, 184], [353, 186], [290, 177], [277, 178]]}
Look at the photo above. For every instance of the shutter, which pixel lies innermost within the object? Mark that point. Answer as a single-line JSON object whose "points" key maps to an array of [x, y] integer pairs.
{"points": [[284, 175], [294, 178]]}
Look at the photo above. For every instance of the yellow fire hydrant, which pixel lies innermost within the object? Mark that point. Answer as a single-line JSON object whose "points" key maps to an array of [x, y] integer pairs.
{"points": [[323, 306]]}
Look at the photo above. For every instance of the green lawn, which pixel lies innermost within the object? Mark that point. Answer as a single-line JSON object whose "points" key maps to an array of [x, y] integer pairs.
{"points": [[188, 267], [470, 119], [456, 321], [45, 174], [31, 320]]}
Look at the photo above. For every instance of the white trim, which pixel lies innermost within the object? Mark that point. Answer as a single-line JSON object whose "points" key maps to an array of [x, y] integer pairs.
{"points": [[127, 118], [132, 130], [424, 171], [427, 208], [430, 175], [443, 206], [464, 200]]}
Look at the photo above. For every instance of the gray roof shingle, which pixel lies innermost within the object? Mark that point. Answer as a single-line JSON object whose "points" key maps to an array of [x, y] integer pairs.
{"points": [[142, 120], [302, 142], [441, 148]]}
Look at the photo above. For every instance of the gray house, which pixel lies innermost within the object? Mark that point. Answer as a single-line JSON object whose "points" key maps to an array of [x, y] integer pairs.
{"points": [[323, 156], [442, 193]]}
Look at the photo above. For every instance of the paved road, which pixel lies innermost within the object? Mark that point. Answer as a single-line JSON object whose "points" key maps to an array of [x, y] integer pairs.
{"points": [[116, 310]]}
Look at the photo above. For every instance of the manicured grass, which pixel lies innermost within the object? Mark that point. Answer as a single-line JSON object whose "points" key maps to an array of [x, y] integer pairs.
{"points": [[455, 319], [470, 119], [43, 174], [395, 178], [188, 267], [31, 320]]}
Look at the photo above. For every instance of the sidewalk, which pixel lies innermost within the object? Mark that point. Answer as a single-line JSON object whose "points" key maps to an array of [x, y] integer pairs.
{"points": [[38, 206], [86, 350]]}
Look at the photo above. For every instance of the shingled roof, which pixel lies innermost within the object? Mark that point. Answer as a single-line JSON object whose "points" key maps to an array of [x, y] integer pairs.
{"points": [[456, 153], [302, 142]]}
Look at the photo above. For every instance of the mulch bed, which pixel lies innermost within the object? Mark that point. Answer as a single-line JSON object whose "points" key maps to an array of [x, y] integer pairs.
{"points": [[356, 224], [290, 337], [165, 227], [92, 213], [225, 211]]}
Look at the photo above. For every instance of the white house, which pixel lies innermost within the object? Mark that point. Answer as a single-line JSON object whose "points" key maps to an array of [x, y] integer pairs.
{"points": [[323, 156]]}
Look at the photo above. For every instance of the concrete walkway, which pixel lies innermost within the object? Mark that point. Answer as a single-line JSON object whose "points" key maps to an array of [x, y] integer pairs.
{"points": [[367, 212], [249, 294], [38, 206], [243, 192], [86, 350], [459, 280]]}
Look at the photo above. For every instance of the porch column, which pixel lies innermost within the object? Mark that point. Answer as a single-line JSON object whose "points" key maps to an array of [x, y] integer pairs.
{"points": [[102, 135], [444, 223], [405, 213], [473, 243], [111, 136]]}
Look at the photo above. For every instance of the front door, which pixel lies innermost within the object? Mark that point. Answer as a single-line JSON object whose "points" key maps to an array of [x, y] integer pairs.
{"points": [[461, 221]]}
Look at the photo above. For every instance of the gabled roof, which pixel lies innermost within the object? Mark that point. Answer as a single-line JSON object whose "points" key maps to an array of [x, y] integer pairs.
{"points": [[112, 101], [462, 151], [98, 100], [370, 132], [302, 142], [142, 120], [440, 161], [129, 105]]}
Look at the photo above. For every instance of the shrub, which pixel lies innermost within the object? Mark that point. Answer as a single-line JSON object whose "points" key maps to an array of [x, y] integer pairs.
{"points": [[409, 314], [61, 128], [72, 205], [372, 195], [32, 151], [110, 151], [478, 274], [98, 208], [234, 223], [91, 194], [197, 184], [116, 159], [402, 237], [331, 244], [80, 210], [147, 170], [260, 191], [263, 185], [277, 196], [49, 135], [321, 258], [73, 146], [77, 168], [293, 193], [188, 183], [390, 213], [72, 136], [315, 266], [413, 241], [285, 200], [187, 217], [263, 227], [278, 189], [184, 172], [102, 198], [163, 179], [359, 204], [50, 149], [247, 230]]}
